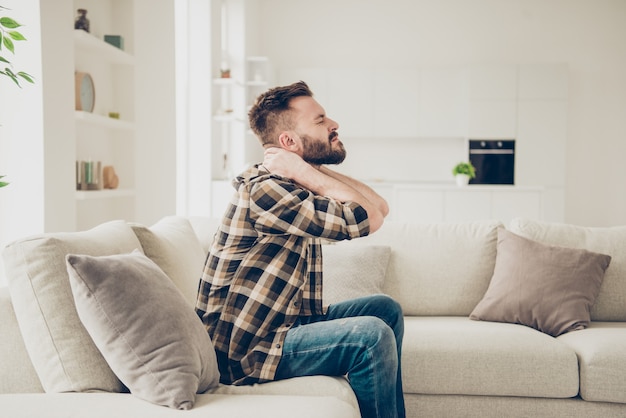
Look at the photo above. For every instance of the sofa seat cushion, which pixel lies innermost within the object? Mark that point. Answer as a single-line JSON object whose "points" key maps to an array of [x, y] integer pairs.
{"points": [[602, 358], [438, 269], [458, 356], [337, 387], [63, 354], [124, 405]]}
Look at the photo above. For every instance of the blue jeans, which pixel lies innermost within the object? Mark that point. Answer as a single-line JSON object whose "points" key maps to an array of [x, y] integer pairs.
{"points": [[360, 338]]}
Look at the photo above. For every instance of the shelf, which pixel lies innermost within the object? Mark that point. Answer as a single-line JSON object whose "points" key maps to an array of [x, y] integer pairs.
{"points": [[224, 81], [229, 117], [103, 121], [257, 83], [96, 46], [103, 194], [257, 59]]}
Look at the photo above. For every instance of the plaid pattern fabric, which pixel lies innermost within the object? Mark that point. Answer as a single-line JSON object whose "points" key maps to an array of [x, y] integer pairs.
{"points": [[264, 270]]}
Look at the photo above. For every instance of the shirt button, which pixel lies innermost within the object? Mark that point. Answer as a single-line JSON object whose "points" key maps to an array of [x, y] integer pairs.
{"points": [[277, 345], [296, 304]]}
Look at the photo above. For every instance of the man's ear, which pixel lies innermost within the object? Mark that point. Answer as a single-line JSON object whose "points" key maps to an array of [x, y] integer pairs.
{"points": [[289, 141]]}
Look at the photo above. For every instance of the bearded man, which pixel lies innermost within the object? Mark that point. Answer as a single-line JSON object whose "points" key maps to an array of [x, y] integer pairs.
{"points": [[260, 295]]}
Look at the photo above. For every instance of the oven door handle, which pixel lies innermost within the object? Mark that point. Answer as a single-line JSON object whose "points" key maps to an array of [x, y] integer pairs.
{"points": [[491, 151]]}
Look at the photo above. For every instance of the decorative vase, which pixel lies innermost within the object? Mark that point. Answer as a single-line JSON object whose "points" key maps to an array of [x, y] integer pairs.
{"points": [[462, 180], [81, 21]]}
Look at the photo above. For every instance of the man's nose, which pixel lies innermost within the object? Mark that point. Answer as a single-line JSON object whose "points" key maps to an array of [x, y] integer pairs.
{"points": [[333, 125]]}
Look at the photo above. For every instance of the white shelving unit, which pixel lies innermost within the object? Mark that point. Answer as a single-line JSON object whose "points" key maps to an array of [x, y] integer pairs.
{"points": [[85, 42], [103, 121], [103, 194], [111, 141], [235, 144]]}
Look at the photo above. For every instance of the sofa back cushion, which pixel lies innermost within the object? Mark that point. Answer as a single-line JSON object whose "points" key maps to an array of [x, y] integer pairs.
{"points": [[438, 269], [174, 246], [205, 228], [62, 352], [610, 305]]}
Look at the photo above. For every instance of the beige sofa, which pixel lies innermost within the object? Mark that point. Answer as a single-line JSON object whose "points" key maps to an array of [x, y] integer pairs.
{"points": [[440, 273]]}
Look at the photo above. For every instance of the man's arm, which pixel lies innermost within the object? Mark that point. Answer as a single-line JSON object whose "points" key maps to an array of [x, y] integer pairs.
{"points": [[292, 166], [362, 188]]}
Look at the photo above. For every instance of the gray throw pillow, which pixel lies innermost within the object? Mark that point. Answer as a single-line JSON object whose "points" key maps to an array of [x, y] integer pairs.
{"points": [[546, 287], [148, 334]]}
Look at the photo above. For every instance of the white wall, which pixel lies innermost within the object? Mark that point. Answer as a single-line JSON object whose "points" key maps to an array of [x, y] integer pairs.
{"points": [[587, 36], [36, 136], [155, 117]]}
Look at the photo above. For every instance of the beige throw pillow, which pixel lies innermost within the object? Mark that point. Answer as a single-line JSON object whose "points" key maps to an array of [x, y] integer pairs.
{"points": [[138, 319], [353, 270], [549, 288], [611, 302], [63, 354], [173, 245]]}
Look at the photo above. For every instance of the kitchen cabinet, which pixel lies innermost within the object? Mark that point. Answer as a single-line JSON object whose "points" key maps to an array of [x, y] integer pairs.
{"points": [[442, 203], [467, 205], [541, 142], [506, 205], [350, 102], [395, 105], [413, 124], [493, 102], [418, 205], [496, 83], [543, 81], [493, 119], [443, 99]]}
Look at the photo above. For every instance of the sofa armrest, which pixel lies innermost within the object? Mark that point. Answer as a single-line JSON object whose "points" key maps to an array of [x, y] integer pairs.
{"points": [[16, 369]]}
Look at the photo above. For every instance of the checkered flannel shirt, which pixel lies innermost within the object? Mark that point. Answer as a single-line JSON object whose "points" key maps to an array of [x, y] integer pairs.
{"points": [[264, 270]]}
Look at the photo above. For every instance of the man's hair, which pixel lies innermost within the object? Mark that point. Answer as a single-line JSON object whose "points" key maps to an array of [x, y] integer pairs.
{"points": [[270, 113]]}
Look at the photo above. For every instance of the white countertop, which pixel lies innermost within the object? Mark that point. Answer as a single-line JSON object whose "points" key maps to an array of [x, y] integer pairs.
{"points": [[451, 186]]}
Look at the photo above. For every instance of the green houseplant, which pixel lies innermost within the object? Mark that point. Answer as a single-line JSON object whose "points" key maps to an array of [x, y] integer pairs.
{"points": [[463, 172], [8, 36]]}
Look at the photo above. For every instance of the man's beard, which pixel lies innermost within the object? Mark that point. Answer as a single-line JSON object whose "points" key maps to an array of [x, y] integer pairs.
{"points": [[317, 153]]}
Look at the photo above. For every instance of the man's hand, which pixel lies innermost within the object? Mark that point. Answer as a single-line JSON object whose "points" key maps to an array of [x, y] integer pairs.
{"points": [[325, 182], [284, 163]]}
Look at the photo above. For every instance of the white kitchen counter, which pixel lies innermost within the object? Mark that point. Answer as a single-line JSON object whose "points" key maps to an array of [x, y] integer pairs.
{"points": [[452, 186], [447, 202]]}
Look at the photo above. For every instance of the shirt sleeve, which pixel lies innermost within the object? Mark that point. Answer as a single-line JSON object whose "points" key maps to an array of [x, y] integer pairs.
{"points": [[278, 206]]}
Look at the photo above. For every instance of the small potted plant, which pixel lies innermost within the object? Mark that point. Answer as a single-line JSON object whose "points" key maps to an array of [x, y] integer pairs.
{"points": [[463, 172]]}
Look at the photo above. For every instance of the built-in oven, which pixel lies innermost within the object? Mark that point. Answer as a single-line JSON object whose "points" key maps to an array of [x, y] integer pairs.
{"points": [[494, 161]]}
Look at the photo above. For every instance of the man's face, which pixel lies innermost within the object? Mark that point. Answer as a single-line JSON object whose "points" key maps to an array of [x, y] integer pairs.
{"points": [[318, 133]]}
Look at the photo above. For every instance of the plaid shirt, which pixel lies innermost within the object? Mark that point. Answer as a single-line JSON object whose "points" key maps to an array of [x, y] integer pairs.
{"points": [[264, 270]]}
